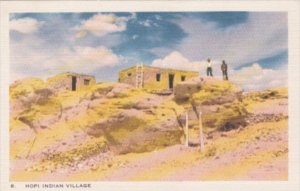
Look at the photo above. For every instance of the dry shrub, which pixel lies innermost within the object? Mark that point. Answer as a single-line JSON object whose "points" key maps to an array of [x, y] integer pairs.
{"points": [[211, 151]]}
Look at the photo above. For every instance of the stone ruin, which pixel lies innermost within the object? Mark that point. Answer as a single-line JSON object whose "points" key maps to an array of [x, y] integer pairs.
{"points": [[70, 81]]}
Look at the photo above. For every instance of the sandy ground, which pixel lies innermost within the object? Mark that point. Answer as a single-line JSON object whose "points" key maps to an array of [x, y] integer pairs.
{"points": [[257, 152]]}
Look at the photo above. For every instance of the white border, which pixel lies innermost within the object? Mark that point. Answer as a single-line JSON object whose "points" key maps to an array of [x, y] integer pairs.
{"points": [[292, 7]]}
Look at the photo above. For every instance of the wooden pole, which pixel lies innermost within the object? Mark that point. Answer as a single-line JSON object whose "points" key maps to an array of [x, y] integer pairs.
{"points": [[201, 132], [30, 148], [187, 129]]}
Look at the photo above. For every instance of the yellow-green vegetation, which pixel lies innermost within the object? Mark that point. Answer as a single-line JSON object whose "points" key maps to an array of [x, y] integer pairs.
{"points": [[146, 132], [25, 87], [101, 110], [156, 128], [152, 141], [34, 100], [207, 92], [227, 117], [57, 78], [41, 109], [212, 91], [186, 160], [70, 99], [248, 135], [261, 96], [131, 122], [229, 110], [90, 148], [270, 94], [45, 105], [117, 130]]}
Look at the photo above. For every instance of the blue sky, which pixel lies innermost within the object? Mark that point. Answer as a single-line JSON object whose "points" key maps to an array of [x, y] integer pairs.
{"points": [[44, 44]]}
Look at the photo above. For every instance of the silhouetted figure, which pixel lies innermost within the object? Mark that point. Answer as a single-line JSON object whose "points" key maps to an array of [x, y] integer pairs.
{"points": [[209, 68], [224, 70]]}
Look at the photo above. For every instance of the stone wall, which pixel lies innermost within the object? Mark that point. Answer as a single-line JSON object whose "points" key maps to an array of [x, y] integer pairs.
{"points": [[63, 82], [150, 81]]}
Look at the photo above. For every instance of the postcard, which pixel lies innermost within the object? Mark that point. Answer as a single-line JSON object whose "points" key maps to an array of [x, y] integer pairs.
{"points": [[153, 95]]}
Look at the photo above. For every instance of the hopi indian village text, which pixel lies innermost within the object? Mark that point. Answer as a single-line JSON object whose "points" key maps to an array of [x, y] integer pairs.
{"points": [[156, 96], [51, 185]]}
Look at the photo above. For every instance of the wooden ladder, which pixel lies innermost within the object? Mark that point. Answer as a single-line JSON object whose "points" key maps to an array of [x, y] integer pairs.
{"points": [[139, 78]]}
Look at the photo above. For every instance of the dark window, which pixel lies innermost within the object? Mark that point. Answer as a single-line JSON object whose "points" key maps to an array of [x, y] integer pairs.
{"points": [[182, 78], [86, 82], [158, 77], [128, 74]]}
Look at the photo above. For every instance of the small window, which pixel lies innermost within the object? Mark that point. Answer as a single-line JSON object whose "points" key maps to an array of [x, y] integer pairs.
{"points": [[182, 78], [158, 77], [128, 74], [86, 82]]}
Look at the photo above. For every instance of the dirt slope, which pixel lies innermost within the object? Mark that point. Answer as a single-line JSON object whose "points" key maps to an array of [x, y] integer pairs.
{"points": [[112, 131]]}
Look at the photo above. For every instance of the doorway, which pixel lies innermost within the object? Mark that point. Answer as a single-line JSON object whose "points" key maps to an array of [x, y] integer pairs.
{"points": [[74, 81], [171, 81]]}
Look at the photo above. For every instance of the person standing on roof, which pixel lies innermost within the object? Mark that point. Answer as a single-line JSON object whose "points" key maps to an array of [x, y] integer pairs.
{"points": [[224, 70], [209, 68]]}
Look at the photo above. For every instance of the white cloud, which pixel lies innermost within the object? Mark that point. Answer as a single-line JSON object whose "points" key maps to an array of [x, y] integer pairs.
{"points": [[255, 77], [102, 24], [135, 36], [28, 61], [148, 23], [132, 16], [176, 60], [40, 55], [25, 25], [262, 35], [88, 59], [157, 17]]}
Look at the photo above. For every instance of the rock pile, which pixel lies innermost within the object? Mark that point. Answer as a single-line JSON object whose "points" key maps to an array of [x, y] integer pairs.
{"points": [[260, 118]]}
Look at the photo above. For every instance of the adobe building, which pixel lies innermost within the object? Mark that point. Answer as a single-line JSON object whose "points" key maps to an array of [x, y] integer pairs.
{"points": [[154, 78], [70, 81]]}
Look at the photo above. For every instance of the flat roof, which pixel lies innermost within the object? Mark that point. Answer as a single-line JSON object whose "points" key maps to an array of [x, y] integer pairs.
{"points": [[147, 66], [75, 74]]}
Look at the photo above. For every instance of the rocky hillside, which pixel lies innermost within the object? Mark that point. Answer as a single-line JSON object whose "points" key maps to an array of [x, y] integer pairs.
{"points": [[103, 130]]}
